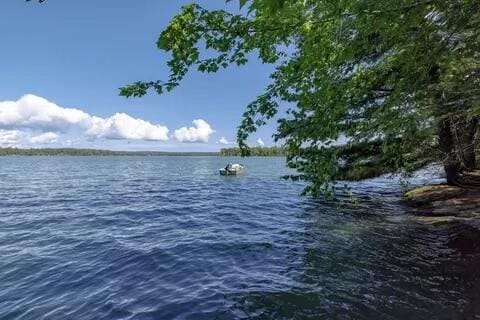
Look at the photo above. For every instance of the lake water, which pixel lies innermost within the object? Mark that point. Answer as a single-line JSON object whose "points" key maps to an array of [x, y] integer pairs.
{"points": [[168, 238]]}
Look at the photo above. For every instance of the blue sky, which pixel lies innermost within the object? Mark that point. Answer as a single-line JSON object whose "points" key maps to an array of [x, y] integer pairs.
{"points": [[76, 54]]}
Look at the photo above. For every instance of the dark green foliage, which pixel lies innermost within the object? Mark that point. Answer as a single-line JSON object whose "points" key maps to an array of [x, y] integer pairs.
{"points": [[255, 151], [383, 76], [396, 80]]}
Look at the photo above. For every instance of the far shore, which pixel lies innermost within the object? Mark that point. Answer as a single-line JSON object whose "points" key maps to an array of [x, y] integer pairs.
{"points": [[93, 152], [103, 152]]}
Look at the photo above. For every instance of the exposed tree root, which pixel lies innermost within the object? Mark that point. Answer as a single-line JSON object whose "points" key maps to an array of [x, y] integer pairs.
{"points": [[467, 180]]}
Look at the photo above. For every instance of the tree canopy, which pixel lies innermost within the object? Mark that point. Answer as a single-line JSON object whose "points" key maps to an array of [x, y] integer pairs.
{"points": [[396, 80], [372, 86]]}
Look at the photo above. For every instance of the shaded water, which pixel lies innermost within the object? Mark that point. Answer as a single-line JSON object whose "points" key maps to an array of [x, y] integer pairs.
{"points": [[168, 238]]}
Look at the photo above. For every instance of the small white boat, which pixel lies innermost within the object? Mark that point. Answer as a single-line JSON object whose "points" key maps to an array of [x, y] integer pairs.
{"points": [[232, 169]]}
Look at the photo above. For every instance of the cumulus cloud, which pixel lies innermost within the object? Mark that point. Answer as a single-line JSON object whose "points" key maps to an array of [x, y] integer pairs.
{"points": [[200, 132], [34, 112], [260, 142], [224, 141], [123, 126], [47, 137], [38, 114], [10, 138]]}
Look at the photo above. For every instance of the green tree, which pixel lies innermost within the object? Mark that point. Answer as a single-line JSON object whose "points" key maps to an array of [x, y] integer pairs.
{"points": [[396, 80]]}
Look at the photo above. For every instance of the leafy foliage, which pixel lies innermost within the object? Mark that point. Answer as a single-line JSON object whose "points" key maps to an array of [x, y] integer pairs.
{"points": [[397, 81], [378, 75]]}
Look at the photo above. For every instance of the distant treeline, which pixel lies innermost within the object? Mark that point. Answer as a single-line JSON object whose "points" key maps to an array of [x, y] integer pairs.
{"points": [[93, 152], [255, 151]]}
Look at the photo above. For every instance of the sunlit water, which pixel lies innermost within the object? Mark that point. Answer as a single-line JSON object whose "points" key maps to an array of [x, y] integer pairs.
{"points": [[168, 238]]}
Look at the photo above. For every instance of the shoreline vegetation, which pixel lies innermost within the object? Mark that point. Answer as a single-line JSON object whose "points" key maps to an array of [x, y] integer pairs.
{"points": [[93, 152], [256, 151]]}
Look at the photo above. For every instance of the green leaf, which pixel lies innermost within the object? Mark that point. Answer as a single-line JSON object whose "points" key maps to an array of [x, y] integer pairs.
{"points": [[163, 43]]}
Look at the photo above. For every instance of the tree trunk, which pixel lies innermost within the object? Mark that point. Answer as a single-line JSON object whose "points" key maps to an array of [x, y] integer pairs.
{"points": [[447, 148], [465, 144], [457, 145], [456, 135]]}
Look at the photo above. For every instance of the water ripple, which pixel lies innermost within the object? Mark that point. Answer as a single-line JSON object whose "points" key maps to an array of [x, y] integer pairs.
{"points": [[168, 238]]}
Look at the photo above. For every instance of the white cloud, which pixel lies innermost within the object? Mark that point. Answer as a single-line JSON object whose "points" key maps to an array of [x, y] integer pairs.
{"points": [[34, 112], [10, 138], [200, 132], [224, 141], [260, 142], [47, 137], [123, 126], [38, 114]]}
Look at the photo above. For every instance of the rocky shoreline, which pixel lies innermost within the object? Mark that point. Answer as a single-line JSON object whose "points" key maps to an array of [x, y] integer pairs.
{"points": [[457, 209], [444, 200], [453, 207]]}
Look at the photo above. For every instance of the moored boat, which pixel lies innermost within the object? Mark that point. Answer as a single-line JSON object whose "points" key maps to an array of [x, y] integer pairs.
{"points": [[232, 169]]}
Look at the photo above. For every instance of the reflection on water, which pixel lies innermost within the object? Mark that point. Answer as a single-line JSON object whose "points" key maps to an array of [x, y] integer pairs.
{"points": [[370, 266], [167, 238]]}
